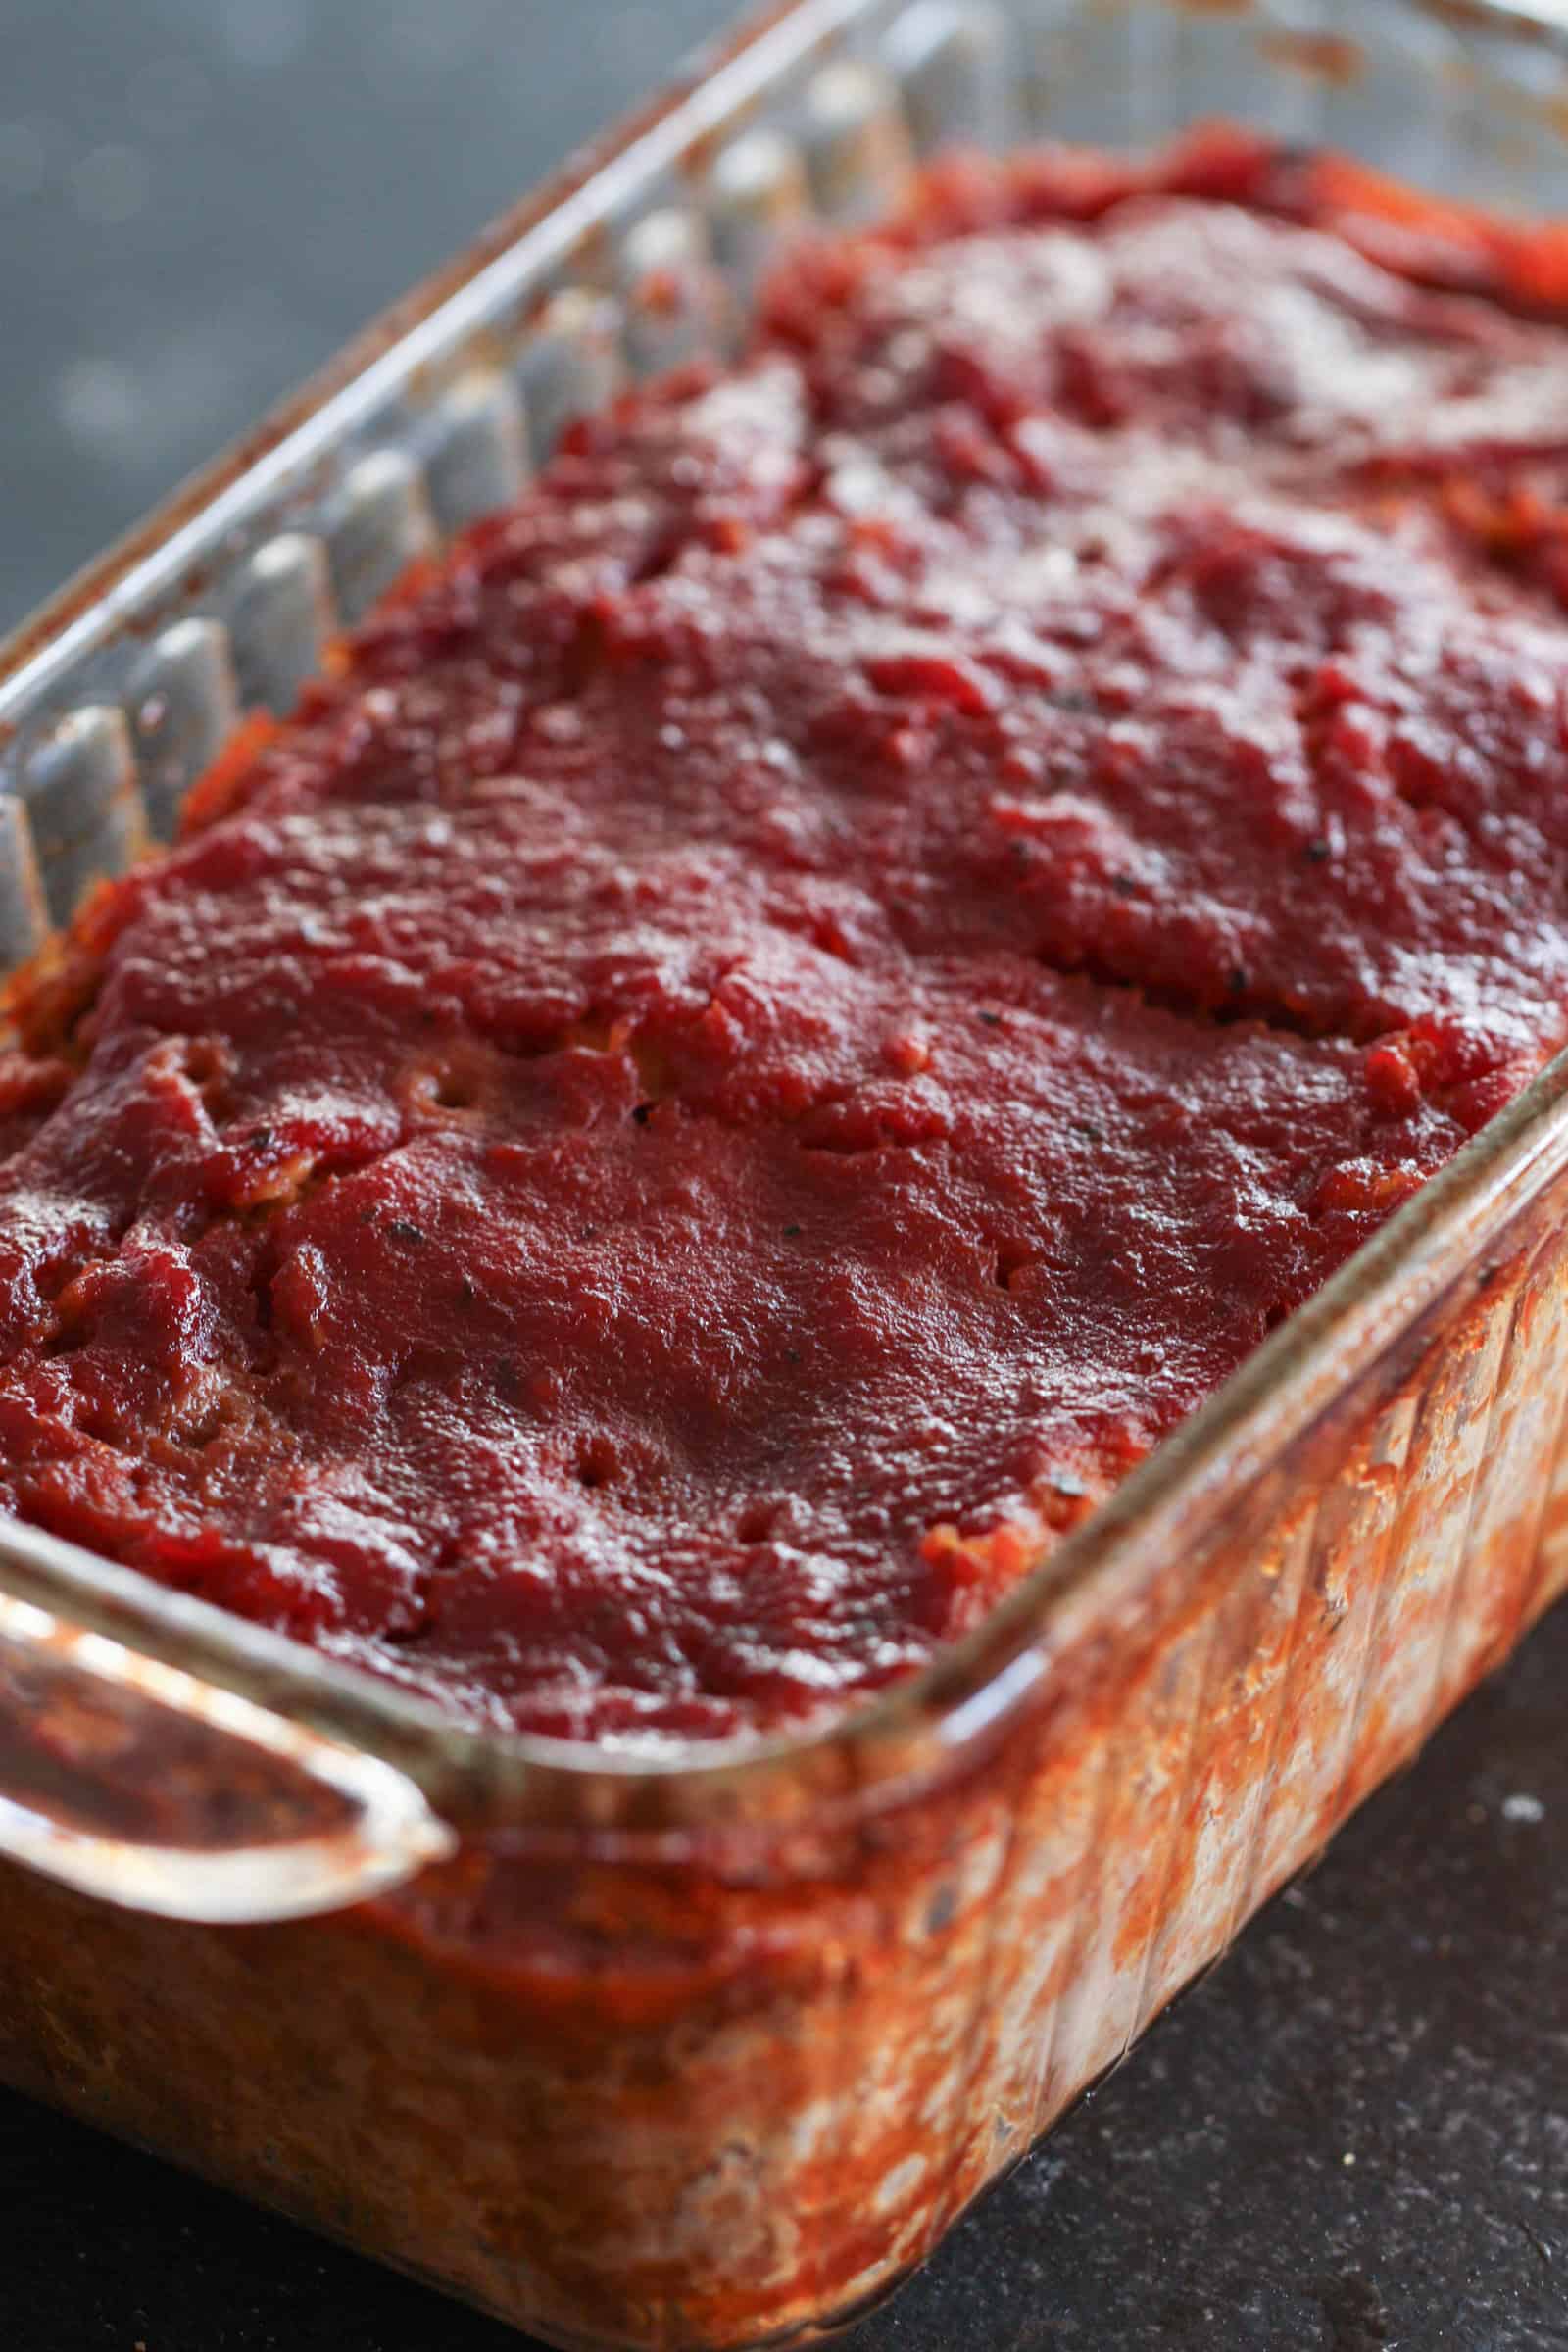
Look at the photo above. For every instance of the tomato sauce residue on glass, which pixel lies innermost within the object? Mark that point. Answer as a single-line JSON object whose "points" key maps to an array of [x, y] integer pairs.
{"points": [[786, 1013]]}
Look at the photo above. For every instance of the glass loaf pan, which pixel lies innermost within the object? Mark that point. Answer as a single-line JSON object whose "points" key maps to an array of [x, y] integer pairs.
{"points": [[710, 2050]]}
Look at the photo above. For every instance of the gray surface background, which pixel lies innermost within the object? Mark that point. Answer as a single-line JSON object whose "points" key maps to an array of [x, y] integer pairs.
{"points": [[199, 199], [1353, 2135]]}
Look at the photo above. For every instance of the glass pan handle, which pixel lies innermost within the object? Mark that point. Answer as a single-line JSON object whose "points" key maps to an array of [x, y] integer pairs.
{"points": [[137, 1783]]}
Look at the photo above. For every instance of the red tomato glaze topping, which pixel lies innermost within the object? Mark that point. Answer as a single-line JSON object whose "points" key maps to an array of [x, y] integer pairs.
{"points": [[779, 1020]]}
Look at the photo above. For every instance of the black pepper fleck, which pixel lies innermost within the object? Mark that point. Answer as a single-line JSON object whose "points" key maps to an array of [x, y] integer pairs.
{"points": [[402, 1231], [940, 1909]]}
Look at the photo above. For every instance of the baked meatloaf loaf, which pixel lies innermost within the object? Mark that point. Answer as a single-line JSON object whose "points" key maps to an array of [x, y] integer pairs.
{"points": [[776, 1020]]}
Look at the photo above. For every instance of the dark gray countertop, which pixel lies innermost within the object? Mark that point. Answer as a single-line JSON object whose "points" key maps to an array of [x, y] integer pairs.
{"points": [[1352, 2136]]}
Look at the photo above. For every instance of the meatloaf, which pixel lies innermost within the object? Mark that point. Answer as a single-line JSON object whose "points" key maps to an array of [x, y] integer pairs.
{"points": [[776, 1019]]}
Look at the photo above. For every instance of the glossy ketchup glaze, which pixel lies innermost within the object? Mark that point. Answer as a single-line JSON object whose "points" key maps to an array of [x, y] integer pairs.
{"points": [[780, 1018]]}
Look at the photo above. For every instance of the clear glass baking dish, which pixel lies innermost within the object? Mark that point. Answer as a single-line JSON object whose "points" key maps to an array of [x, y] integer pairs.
{"points": [[710, 2049]]}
